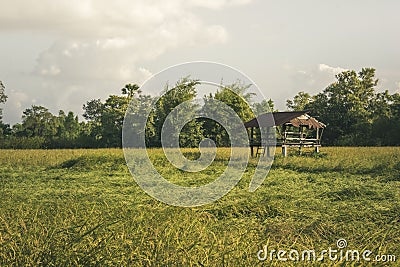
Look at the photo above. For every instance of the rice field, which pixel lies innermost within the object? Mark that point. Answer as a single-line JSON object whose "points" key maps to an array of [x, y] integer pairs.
{"points": [[83, 208]]}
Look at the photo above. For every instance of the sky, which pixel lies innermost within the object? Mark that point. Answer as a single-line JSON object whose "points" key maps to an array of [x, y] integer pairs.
{"points": [[60, 53]]}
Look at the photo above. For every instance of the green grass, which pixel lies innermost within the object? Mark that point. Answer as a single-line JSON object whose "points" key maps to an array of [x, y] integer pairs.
{"points": [[82, 207]]}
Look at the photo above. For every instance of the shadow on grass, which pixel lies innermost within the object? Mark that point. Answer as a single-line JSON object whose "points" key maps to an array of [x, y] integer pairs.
{"points": [[90, 163]]}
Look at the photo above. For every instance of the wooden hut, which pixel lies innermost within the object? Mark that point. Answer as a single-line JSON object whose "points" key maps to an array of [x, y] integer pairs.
{"points": [[293, 129]]}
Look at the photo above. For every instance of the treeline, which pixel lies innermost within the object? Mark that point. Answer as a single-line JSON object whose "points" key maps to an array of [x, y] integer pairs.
{"points": [[103, 123], [355, 114]]}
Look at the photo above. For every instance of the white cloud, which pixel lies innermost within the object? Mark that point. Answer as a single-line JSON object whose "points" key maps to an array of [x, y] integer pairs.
{"points": [[312, 79], [15, 104], [145, 72], [303, 77], [101, 45], [101, 40], [330, 70], [217, 4], [51, 71], [397, 89], [139, 74]]}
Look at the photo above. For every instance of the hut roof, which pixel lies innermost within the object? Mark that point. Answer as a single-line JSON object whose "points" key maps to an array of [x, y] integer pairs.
{"points": [[296, 118]]}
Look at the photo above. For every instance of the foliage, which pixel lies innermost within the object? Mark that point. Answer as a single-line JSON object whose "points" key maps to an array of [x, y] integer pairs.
{"points": [[112, 119], [386, 119], [3, 99], [38, 121], [3, 96], [299, 102], [354, 112], [41, 129], [130, 90], [264, 106], [106, 119], [184, 91], [238, 99], [23, 142]]}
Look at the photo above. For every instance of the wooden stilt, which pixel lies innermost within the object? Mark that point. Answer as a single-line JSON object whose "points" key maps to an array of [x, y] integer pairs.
{"points": [[266, 145], [284, 151], [252, 141]]}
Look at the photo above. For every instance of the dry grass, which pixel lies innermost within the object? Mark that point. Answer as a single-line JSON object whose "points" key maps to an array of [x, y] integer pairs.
{"points": [[82, 207]]}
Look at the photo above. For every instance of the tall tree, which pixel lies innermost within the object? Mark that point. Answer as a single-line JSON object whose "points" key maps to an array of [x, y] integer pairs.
{"points": [[183, 91], [299, 102], [105, 120], [38, 121], [112, 119], [346, 106], [3, 96], [237, 97], [264, 106], [3, 99], [93, 111], [131, 90], [68, 127], [386, 119]]}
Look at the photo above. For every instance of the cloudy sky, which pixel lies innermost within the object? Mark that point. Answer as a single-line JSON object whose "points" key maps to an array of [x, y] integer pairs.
{"points": [[60, 53]]}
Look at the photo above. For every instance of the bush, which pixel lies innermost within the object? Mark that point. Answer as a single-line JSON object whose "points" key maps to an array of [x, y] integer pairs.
{"points": [[13, 142]]}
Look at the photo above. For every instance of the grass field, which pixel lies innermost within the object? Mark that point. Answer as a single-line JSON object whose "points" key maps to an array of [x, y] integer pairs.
{"points": [[82, 207]]}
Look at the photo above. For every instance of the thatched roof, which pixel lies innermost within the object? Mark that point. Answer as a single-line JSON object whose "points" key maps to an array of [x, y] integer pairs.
{"points": [[295, 118]]}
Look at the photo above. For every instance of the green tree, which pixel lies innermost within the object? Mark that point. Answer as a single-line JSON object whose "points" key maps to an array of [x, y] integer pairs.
{"points": [[299, 102], [37, 129], [386, 119], [93, 111], [68, 131], [237, 97], [3, 98], [346, 107], [184, 90], [131, 90], [38, 121], [138, 109], [105, 120], [69, 127], [264, 106], [112, 119]]}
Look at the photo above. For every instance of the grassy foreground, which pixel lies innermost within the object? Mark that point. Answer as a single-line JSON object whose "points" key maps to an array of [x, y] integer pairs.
{"points": [[82, 207]]}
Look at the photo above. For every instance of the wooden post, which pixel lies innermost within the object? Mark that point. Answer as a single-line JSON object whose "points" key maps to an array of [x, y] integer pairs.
{"points": [[284, 134], [317, 142], [300, 138], [267, 143], [252, 141], [284, 150]]}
